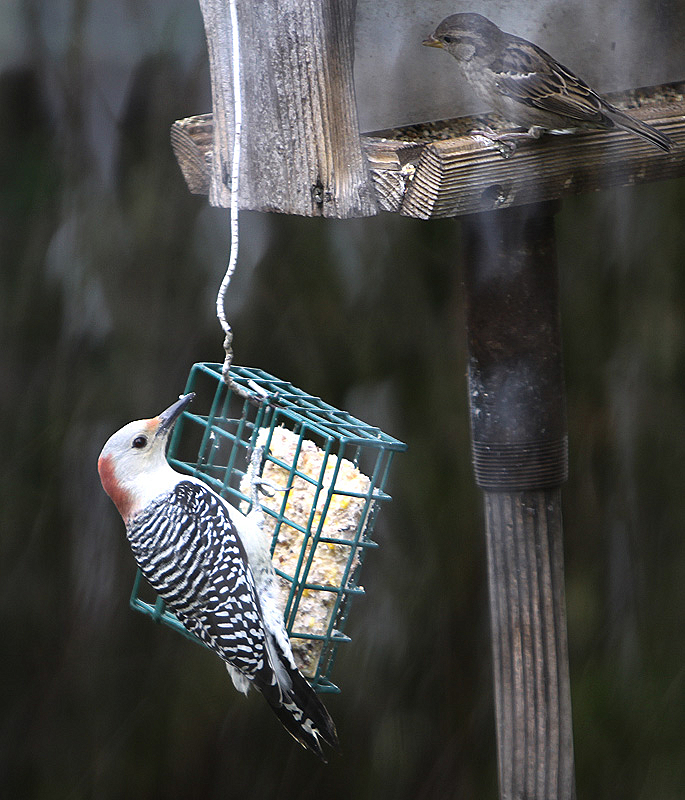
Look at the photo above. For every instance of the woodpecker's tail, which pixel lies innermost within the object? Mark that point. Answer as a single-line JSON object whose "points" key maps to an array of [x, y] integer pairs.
{"points": [[300, 711], [623, 120]]}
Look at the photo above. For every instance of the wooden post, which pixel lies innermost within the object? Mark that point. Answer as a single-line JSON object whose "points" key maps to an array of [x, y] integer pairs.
{"points": [[518, 424], [301, 148]]}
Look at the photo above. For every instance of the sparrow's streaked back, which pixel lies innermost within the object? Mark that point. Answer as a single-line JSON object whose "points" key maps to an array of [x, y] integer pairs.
{"points": [[526, 85]]}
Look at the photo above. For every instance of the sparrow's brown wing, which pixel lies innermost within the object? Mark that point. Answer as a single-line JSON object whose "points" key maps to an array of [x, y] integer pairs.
{"points": [[529, 75]]}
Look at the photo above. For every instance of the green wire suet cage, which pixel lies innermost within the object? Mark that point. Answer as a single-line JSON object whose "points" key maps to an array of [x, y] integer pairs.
{"points": [[322, 475]]}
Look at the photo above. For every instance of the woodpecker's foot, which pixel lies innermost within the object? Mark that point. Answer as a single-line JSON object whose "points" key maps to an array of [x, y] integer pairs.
{"points": [[253, 473], [269, 489], [257, 483]]}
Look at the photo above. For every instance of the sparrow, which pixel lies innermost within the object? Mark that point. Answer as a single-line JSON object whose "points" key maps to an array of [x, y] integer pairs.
{"points": [[526, 85]]}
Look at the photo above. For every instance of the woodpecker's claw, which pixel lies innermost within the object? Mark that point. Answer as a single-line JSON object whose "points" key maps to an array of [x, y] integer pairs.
{"points": [[261, 483], [258, 483]]}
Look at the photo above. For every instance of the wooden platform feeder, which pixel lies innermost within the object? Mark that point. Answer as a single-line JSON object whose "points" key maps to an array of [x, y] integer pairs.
{"points": [[304, 155]]}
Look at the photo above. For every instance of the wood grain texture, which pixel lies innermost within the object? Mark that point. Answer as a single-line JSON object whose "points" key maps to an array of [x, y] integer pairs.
{"points": [[465, 175], [301, 150], [530, 651], [418, 174]]}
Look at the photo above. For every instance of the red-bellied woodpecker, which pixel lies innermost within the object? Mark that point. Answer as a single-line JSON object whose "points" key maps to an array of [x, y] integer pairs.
{"points": [[211, 566]]}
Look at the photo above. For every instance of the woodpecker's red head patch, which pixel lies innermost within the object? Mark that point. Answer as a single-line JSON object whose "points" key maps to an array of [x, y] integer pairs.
{"points": [[120, 497], [133, 466]]}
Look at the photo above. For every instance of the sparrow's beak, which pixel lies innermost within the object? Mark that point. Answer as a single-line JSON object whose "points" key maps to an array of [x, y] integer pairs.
{"points": [[168, 418], [431, 41]]}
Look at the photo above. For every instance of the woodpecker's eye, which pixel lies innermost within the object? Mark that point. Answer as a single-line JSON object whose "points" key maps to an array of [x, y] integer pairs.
{"points": [[139, 442]]}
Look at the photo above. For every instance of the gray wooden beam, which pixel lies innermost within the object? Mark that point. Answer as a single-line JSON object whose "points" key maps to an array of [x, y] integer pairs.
{"points": [[301, 150]]}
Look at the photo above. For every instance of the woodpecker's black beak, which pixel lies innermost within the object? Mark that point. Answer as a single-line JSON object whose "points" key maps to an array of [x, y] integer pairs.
{"points": [[168, 418]]}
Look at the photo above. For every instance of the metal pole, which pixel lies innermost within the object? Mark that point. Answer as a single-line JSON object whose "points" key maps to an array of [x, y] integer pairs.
{"points": [[518, 427]]}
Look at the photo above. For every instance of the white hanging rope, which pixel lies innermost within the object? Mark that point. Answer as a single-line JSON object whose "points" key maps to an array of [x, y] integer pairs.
{"points": [[235, 182]]}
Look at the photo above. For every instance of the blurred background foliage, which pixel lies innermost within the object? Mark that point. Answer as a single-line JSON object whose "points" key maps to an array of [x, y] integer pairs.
{"points": [[108, 271]]}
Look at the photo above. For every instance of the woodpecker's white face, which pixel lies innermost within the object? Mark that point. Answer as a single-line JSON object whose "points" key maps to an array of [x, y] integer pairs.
{"points": [[132, 465]]}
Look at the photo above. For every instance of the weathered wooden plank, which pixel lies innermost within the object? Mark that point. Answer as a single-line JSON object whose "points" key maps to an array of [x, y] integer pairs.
{"points": [[391, 167], [301, 150], [465, 174], [427, 171], [462, 176]]}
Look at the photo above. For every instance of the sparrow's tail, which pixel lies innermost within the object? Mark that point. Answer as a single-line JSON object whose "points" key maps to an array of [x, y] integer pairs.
{"points": [[623, 120]]}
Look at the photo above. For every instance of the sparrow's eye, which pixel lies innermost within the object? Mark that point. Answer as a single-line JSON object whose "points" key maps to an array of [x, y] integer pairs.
{"points": [[139, 442], [449, 39]]}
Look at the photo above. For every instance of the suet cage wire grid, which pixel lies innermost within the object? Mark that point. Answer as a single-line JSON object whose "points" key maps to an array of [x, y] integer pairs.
{"points": [[324, 474]]}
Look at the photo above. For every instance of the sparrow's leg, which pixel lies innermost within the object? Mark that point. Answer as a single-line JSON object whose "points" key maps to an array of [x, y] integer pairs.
{"points": [[506, 140], [501, 141]]}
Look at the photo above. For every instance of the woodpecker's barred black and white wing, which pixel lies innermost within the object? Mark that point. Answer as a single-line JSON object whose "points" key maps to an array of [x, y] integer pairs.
{"points": [[191, 553]]}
